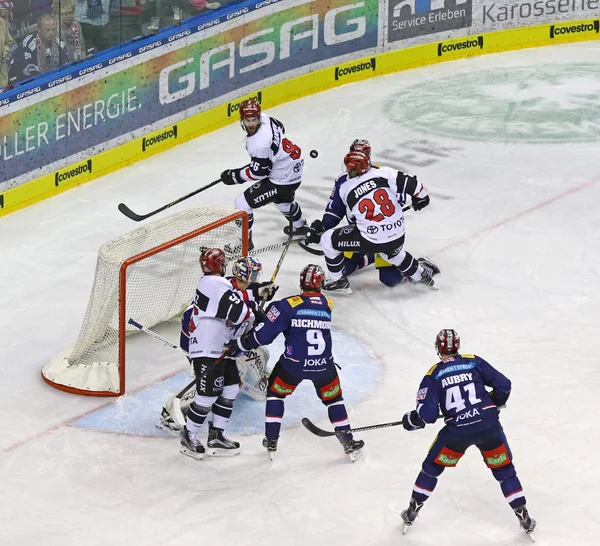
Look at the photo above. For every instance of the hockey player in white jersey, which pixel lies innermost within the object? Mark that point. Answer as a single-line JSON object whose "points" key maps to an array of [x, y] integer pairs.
{"points": [[217, 313], [275, 168], [369, 197]]}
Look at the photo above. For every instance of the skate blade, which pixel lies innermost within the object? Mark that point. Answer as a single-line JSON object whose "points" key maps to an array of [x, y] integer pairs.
{"points": [[530, 535], [338, 291], [272, 455], [355, 455], [191, 454], [218, 452], [405, 528]]}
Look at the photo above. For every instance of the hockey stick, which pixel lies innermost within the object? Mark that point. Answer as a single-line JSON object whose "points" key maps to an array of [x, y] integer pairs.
{"points": [[311, 427], [139, 217], [298, 242], [165, 341]]}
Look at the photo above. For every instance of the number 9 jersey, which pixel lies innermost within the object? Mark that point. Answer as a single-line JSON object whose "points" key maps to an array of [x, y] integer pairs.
{"points": [[305, 322], [272, 155]]}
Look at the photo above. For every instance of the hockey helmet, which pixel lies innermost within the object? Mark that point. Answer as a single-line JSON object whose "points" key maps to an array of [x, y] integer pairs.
{"points": [[361, 145], [311, 278], [447, 342], [250, 112], [357, 163], [247, 269], [213, 262]]}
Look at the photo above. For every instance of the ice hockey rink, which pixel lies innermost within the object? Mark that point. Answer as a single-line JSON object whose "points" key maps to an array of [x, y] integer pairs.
{"points": [[508, 147]]}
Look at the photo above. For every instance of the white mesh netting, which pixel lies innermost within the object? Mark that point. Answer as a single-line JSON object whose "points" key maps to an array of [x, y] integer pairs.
{"points": [[159, 287]]}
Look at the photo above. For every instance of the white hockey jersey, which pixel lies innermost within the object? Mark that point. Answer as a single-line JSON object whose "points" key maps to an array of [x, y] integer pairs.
{"points": [[272, 155], [371, 201], [217, 314]]}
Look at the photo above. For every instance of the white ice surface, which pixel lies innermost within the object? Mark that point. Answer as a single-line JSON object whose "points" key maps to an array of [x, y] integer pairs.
{"points": [[514, 227]]}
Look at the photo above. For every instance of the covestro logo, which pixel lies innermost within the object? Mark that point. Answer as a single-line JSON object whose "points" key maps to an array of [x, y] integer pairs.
{"points": [[72, 172], [340, 72], [562, 30], [470, 43], [167, 134]]}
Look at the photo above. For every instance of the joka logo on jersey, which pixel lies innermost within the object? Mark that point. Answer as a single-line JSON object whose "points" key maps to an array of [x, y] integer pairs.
{"points": [[535, 104], [165, 135], [234, 107], [566, 30], [341, 71], [72, 172], [453, 47], [1, 201], [412, 18]]}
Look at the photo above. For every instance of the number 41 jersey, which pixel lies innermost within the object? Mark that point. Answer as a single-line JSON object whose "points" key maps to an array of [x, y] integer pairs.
{"points": [[305, 321], [457, 387]]}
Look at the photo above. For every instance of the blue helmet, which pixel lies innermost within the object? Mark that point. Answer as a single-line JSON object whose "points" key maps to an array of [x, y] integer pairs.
{"points": [[247, 269]]}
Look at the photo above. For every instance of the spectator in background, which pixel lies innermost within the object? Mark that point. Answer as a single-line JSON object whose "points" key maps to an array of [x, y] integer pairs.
{"points": [[125, 20], [39, 52], [68, 30], [93, 16], [6, 42]]}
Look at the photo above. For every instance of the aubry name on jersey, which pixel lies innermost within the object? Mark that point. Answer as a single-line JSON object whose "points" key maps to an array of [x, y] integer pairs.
{"points": [[454, 379]]}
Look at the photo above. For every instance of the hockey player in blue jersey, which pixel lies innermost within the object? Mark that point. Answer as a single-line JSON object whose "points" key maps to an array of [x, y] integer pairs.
{"points": [[373, 208], [456, 386], [305, 321]]}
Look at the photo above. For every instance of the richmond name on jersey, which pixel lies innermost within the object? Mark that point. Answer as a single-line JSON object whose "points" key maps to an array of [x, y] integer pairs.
{"points": [[305, 321]]}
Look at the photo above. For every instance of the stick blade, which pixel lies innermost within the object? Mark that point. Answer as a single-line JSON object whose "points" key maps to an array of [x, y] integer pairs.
{"points": [[124, 209], [309, 249], [311, 427]]}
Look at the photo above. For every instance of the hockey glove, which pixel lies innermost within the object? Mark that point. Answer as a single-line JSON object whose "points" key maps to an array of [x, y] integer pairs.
{"points": [[499, 398], [234, 348], [229, 177], [315, 231], [412, 421], [419, 203], [264, 290], [259, 314]]}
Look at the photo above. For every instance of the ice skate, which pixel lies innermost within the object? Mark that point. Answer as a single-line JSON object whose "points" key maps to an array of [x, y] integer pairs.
{"points": [[191, 446], [526, 522], [429, 266], [341, 286], [270, 446], [301, 231], [219, 444], [410, 514], [353, 448], [426, 279]]}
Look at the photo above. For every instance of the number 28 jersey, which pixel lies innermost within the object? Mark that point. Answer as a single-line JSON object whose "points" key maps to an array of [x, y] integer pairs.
{"points": [[272, 155], [371, 201], [305, 322]]}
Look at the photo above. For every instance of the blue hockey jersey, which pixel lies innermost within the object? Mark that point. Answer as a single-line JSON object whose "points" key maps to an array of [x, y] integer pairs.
{"points": [[305, 322], [456, 386]]}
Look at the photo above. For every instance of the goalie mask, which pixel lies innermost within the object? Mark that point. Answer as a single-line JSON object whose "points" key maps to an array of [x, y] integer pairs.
{"points": [[250, 112], [447, 343], [247, 269], [361, 145], [213, 262]]}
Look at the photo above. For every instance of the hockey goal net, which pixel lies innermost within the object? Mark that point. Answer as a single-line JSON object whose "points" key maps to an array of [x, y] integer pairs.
{"points": [[149, 275]]}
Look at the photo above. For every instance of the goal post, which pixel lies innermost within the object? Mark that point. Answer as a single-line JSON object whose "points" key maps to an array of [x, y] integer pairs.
{"points": [[150, 275]]}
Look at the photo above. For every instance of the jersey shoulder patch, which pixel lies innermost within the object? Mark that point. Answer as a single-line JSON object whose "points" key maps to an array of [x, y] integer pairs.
{"points": [[431, 370], [294, 301], [330, 303], [467, 355]]}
